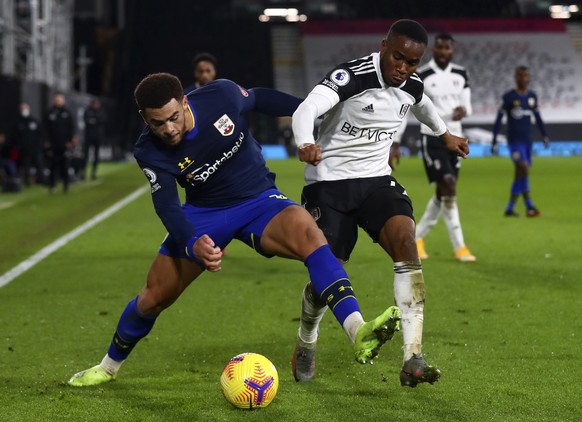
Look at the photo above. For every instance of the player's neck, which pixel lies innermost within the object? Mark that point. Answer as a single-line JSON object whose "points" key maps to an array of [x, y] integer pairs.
{"points": [[521, 90]]}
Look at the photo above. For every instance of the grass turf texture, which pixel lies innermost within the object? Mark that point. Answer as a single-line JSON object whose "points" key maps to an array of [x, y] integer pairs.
{"points": [[505, 330]]}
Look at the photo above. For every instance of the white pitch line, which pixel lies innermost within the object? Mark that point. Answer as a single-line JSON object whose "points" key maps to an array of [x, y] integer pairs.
{"points": [[30, 262]]}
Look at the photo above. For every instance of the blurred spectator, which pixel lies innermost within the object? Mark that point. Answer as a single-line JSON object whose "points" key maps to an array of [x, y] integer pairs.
{"points": [[94, 132], [27, 139], [8, 171], [61, 138], [204, 71]]}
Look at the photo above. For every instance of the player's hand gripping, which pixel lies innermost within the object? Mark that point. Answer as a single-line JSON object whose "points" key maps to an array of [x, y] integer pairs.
{"points": [[494, 149], [207, 252], [459, 113], [456, 143], [309, 153]]}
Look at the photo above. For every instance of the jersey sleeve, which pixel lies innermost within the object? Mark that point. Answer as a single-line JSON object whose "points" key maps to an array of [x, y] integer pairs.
{"points": [[167, 204], [319, 101], [503, 108], [263, 100], [538, 117], [426, 112], [274, 103], [341, 81]]}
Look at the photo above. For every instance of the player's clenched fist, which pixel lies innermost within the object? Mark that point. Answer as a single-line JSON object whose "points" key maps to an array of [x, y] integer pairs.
{"points": [[309, 153]]}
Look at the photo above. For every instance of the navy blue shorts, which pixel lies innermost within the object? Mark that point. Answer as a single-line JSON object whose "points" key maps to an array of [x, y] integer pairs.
{"points": [[245, 221], [520, 151]]}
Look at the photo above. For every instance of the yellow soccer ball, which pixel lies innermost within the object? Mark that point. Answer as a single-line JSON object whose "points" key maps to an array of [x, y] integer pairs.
{"points": [[249, 381]]}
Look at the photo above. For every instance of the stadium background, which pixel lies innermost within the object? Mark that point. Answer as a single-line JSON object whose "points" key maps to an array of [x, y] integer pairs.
{"points": [[505, 331], [103, 49]]}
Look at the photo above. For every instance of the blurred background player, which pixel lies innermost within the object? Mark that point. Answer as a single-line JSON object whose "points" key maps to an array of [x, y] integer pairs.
{"points": [[27, 138], [204, 71], [95, 120], [520, 105], [447, 85], [60, 129]]}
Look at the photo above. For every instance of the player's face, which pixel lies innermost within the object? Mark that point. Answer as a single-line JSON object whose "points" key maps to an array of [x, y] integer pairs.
{"points": [[169, 123], [399, 58], [59, 100], [522, 78], [442, 52], [204, 72]]}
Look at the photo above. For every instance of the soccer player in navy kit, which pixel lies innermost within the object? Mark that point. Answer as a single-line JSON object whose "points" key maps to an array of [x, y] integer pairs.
{"points": [[202, 142], [520, 105], [447, 85], [349, 184]]}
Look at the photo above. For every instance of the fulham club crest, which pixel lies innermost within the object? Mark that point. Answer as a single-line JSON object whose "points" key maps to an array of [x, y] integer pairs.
{"points": [[224, 125]]}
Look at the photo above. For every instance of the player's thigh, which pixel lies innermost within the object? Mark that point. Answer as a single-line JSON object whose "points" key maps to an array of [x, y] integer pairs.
{"points": [[167, 278], [385, 202], [397, 238], [292, 233], [334, 209]]}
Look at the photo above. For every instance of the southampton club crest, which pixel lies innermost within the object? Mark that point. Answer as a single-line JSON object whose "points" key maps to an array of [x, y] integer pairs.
{"points": [[224, 125]]}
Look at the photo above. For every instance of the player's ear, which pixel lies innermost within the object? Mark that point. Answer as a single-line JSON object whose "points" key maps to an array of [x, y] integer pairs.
{"points": [[141, 113], [185, 101]]}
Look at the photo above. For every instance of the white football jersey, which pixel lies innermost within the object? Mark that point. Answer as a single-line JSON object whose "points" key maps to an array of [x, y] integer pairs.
{"points": [[365, 113], [447, 88]]}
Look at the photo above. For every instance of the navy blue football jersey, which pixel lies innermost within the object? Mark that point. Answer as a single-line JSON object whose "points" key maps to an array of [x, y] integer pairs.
{"points": [[219, 162], [521, 110]]}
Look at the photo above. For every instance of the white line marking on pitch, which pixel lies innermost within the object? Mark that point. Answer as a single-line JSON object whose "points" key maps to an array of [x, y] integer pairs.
{"points": [[30, 262]]}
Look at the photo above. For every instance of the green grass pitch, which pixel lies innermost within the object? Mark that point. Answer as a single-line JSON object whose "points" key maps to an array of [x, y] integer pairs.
{"points": [[505, 331]]}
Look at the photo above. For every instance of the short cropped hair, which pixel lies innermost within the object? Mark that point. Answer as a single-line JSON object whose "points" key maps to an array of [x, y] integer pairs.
{"points": [[445, 36], [157, 90], [410, 29], [203, 57], [521, 68]]}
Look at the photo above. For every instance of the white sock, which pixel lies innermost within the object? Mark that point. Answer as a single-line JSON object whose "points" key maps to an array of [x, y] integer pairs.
{"points": [[312, 311], [351, 325], [429, 218], [110, 365], [452, 221], [409, 295]]}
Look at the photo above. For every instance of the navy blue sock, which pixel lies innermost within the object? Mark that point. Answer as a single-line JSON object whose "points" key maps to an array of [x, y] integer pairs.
{"points": [[516, 187], [331, 283], [132, 327], [528, 202]]}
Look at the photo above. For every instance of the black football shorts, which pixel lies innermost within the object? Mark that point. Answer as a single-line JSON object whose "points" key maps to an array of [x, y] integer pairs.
{"points": [[438, 160], [341, 206]]}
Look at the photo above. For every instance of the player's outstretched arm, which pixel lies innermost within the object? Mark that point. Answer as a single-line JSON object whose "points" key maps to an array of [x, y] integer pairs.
{"points": [[319, 101], [456, 143]]}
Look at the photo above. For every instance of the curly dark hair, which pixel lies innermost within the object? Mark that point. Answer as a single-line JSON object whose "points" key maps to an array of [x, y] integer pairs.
{"points": [[157, 90]]}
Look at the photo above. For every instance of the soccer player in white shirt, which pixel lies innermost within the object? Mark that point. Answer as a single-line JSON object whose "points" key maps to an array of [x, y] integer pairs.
{"points": [[349, 184], [447, 85]]}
